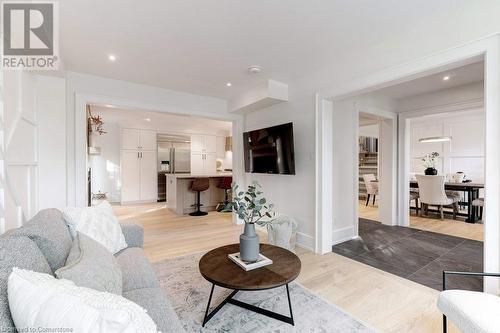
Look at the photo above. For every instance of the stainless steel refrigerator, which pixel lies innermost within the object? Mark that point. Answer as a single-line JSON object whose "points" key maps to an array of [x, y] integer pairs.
{"points": [[174, 156]]}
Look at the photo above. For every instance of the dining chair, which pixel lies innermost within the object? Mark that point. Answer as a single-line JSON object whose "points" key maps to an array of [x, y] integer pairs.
{"points": [[432, 193], [371, 187], [479, 202], [414, 195]]}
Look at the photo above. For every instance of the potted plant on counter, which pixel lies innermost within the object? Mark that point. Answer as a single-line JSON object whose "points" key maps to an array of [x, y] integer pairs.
{"points": [[252, 208], [430, 162]]}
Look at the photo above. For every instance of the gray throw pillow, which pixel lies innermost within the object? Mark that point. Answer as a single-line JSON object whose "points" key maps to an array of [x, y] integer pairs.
{"points": [[50, 233], [20, 252], [91, 265]]}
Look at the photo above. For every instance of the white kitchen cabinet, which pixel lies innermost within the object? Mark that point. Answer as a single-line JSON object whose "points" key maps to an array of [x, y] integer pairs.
{"points": [[147, 140], [130, 175], [203, 143], [210, 165], [139, 176], [210, 144], [148, 177], [130, 138], [133, 138], [138, 165], [203, 163], [197, 163], [197, 143]]}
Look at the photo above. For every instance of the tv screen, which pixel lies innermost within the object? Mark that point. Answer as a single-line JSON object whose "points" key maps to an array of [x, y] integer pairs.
{"points": [[270, 150]]}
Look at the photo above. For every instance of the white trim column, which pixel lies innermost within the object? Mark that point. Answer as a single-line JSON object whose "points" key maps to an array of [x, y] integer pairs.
{"points": [[492, 166], [324, 173]]}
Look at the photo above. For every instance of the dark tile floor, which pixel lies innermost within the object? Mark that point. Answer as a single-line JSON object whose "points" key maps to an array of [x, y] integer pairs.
{"points": [[417, 255]]}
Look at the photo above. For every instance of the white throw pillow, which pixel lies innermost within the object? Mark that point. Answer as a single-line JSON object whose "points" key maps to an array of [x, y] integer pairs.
{"points": [[99, 223], [40, 300]]}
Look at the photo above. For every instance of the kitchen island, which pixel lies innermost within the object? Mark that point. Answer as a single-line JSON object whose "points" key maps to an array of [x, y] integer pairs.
{"points": [[180, 198]]}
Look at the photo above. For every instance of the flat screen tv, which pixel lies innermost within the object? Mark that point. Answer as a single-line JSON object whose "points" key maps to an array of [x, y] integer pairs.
{"points": [[270, 150]]}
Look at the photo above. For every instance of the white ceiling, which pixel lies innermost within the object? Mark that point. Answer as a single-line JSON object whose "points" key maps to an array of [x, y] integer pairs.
{"points": [[199, 45], [457, 77], [162, 122]]}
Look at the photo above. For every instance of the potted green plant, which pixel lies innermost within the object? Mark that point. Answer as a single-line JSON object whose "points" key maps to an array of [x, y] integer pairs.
{"points": [[430, 162], [252, 208]]}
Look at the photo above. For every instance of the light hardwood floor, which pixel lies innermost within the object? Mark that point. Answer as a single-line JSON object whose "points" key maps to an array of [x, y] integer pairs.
{"points": [[382, 300], [447, 226]]}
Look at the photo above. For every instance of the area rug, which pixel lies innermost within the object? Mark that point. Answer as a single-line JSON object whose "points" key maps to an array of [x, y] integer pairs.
{"points": [[188, 292]]}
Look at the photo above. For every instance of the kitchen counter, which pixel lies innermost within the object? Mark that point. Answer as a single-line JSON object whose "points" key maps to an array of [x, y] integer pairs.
{"points": [[210, 175], [180, 198]]}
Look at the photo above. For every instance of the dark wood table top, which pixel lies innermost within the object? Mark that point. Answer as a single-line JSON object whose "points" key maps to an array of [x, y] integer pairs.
{"points": [[452, 185], [217, 268]]}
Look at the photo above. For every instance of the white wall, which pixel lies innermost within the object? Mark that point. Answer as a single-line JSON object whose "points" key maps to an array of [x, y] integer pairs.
{"points": [[35, 144], [473, 22], [106, 166], [51, 113], [465, 152], [464, 93], [83, 89], [292, 194], [466, 127], [371, 131]]}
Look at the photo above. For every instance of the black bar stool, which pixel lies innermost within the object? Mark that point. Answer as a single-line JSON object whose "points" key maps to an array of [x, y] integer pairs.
{"points": [[225, 184], [199, 185]]}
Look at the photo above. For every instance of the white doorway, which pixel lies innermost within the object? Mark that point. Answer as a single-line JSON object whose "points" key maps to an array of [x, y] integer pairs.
{"points": [[377, 145], [437, 63]]}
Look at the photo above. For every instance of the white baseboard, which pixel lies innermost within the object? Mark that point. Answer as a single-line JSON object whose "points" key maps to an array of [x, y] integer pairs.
{"points": [[305, 241], [344, 234]]}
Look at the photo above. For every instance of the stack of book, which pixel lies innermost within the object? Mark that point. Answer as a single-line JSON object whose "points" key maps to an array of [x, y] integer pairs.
{"points": [[248, 266]]}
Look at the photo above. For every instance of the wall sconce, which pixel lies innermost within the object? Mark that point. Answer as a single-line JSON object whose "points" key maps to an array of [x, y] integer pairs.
{"points": [[229, 143]]}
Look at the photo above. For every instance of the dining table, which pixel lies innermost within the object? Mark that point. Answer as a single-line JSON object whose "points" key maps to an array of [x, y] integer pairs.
{"points": [[471, 189]]}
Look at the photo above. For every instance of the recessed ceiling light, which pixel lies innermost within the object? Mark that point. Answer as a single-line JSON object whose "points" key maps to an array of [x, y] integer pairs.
{"points": [[254, 69], [229, 84], [147, 119], [446, 78], [109, 106], [112, 57]]}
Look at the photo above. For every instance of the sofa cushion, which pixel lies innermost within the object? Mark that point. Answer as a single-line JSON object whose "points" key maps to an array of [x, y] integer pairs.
{"points": [[471, 311], [134, 234], [98, 222], [91, 265], [50, 233], [21, 252], [136, 270], [158, 308], [42, 303]]}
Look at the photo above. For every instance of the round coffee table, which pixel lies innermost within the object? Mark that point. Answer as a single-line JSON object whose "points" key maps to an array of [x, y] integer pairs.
{"points": [[218, 269]]}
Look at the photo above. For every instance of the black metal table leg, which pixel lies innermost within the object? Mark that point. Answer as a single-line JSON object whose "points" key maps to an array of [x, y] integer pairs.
{"points": [[229, 299], [289, 304], [209, 316], [208, 305]]}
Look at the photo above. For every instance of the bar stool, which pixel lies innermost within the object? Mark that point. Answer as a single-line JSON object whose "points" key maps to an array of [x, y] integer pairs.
{"points": [[225, 184], [199, 185]]}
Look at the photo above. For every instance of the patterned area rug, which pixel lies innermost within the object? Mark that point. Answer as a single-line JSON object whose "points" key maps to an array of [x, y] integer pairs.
{"points": [[188, 292]]}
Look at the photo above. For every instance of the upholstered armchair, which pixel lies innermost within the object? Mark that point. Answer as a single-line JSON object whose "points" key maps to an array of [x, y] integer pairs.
{"points": [[470, 311]]}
